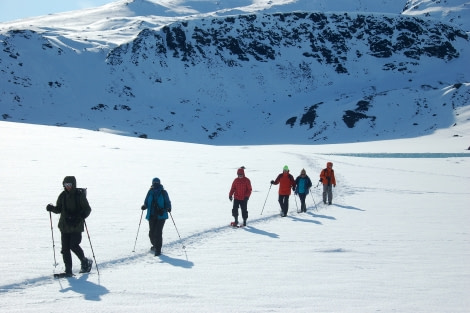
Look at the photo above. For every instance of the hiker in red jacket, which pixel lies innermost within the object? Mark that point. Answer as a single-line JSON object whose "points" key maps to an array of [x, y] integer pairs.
{"points": [[286, 184], [241, 191], [327, 177]]}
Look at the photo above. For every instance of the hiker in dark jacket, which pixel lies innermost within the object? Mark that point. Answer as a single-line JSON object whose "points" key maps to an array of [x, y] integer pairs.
{"points": [[73, 207], [302, 187], [158, 204]]}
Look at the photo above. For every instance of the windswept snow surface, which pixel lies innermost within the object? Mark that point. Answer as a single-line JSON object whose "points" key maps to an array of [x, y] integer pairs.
{"points": [[396, 238]]}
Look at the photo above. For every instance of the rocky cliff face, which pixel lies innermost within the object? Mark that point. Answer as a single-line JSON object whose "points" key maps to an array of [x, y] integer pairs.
{"points": [[325, 39]]}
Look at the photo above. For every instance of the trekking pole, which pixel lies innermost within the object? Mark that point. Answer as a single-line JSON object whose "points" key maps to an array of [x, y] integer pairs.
{"points": [[316, 209], [177, 230], [91, 246], [296, 204], [266, 198], [181, 240], [141, 214], [53, 242]]}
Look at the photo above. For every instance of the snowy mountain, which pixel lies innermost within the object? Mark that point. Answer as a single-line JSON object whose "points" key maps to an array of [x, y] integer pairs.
{"points": [[242, 72]]}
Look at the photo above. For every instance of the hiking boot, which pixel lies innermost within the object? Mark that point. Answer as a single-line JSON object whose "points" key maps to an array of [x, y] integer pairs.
{"points": [[86, 265], [152, 248], [244, 222]]}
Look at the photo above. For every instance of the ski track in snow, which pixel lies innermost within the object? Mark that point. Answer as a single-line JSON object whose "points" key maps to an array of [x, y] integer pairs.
{"points": [[169, 249]]}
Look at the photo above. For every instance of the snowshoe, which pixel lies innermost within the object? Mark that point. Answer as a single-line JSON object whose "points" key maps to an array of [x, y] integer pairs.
{"points": [[63, 275]]}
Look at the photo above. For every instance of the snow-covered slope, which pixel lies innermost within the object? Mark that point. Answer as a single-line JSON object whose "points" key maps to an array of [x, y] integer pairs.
{"points": [[282, 72], [453, 11], [395, 239]]}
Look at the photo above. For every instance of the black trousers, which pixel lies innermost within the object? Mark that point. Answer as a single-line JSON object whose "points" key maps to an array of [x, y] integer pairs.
{"points": [[243, 204], [284, 202], [71, 242], [156, 232], [303, 206]]}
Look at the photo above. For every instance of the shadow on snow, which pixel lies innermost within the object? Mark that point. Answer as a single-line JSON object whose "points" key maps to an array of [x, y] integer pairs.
{"points": [[94, 292], [81, 285]]}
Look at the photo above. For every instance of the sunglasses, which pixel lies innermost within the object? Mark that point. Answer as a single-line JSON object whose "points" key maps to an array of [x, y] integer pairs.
{"points": [[68, 185]]}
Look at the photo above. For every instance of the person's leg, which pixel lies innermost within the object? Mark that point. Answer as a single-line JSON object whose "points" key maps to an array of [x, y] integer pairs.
{"points": [[281, 202], [66, 255], [159, 236], [244, 208], [303, 206], [285, 204], [75, 240], [152, 230], [325, 190], [330, 194], [236, 204]]}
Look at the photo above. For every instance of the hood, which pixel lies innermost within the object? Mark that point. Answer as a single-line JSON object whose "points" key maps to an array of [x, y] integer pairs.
{"points": [[156, 184], [70, 179]]}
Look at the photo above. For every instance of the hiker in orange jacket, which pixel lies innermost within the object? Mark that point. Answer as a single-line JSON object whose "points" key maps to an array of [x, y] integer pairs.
{"points": [[286, 184], [327, 177]]}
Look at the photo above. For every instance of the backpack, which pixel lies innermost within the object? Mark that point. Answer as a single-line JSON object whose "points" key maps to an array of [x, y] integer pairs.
{"points": [[81, 191], [156, 207]]}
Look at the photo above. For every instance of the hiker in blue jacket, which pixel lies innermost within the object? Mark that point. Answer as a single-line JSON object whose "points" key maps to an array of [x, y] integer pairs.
{"points": [[158, 204], [302, 187]]}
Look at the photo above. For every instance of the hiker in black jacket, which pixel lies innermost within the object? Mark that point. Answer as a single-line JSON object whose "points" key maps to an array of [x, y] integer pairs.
{"points": [[73, 207]]}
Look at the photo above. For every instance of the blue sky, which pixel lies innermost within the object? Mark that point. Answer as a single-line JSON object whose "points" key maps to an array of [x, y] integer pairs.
{"points": [[17, 9]]}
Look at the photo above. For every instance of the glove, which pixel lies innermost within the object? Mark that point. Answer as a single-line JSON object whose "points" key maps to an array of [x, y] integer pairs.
{"points": [[230, 198], [247, 198], [272, 182], [169, 210], [334, 185], [144, 208], [293, 189], [295, 193], [320, 180], [50, 207]]}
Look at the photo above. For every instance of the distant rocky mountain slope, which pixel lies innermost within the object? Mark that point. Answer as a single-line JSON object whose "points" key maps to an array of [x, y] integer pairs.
{"points": [[291, 77]]}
